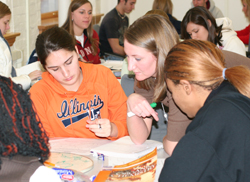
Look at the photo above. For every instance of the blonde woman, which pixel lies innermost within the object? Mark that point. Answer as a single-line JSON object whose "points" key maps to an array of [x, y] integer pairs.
{"points": [[6, 64], [167, 7], [147, 43]]}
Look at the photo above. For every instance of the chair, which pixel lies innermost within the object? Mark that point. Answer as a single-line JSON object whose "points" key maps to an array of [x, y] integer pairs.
{"points": [[33, 57], [96, 27], [127, 83]]}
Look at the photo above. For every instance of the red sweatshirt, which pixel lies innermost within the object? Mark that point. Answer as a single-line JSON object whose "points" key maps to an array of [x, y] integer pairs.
{"points": [[64, 113], [86, 51], [244, 34]]}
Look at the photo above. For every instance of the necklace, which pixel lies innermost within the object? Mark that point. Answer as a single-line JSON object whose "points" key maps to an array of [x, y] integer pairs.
{"points": [[122, 16]]}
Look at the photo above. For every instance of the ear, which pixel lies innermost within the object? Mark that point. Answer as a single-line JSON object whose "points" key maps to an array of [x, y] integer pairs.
{"points": [[209, 22], [186, 86], [77, 51]]}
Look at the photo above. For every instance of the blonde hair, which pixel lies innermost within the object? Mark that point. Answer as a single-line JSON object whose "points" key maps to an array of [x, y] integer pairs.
{"points": [[68, 25], [247, 1], [248, 9], [157, 12], [156, 34], [165, 5], [202, 63], [4, 10]]}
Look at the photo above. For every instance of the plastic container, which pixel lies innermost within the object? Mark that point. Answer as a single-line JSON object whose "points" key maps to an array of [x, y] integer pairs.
{"points": [[68, 175]]}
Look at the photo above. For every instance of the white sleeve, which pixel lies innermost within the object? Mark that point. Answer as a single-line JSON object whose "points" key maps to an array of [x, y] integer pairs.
{"points": [[24, 80], [6, 66], [5, 59], [235, 45], [44, 174]]}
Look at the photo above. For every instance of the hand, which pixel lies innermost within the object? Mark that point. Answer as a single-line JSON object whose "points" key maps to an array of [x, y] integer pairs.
{"points": [[35, 74], [83, 60], [140, 106], [101, 127]]}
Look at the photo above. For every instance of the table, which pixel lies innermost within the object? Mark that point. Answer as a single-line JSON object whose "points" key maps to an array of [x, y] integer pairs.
{"points": [[83, 147], [115, 66], [11, 37]]}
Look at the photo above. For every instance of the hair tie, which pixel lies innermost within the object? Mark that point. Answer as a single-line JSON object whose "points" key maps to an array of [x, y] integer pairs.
{"points": [[223, 73]]}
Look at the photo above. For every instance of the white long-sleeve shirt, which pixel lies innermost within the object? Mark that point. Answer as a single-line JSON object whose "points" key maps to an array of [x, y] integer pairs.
{"points": [[6, 66]]}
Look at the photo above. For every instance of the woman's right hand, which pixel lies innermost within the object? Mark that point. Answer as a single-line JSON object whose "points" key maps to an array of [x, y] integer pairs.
{"points": [[140, 106], [35, 74]]}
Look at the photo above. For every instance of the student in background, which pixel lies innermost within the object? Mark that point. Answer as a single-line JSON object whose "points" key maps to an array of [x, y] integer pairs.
{"points": [[217, 141], [157, 12], [76, 99], [23, 142], [6, 63], [112, 29], [244, 34], [79, 25], [210, 6], [199, 24], [167, 7], [147, 43]]}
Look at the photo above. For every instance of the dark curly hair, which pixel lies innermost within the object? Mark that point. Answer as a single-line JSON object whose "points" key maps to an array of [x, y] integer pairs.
{"points": [[21, 131]]}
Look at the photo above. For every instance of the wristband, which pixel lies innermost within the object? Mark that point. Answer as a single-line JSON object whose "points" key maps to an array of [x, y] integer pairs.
{"points": [[130, 114]]}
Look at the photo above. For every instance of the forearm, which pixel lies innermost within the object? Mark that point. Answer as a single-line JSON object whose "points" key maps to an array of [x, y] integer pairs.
{"points": [[118, 50], [114, 130], [169, 145], [138, 129], [116, 47]]}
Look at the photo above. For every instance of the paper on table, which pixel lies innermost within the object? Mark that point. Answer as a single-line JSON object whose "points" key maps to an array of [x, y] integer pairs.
{"points": [[70, 161], [27, 69], [113, 64], [81, 146], [125, 148]]}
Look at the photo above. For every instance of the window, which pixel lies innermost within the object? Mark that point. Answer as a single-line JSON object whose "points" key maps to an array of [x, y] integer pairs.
{"points": [[49, 5]]}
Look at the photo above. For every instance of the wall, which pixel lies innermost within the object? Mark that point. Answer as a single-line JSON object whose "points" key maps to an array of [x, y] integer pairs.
{"points": [[107, 5], [49, 5], [25, 18]]}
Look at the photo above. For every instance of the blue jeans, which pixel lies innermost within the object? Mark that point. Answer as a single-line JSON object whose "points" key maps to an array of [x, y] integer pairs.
{"points": [[113, 58]]}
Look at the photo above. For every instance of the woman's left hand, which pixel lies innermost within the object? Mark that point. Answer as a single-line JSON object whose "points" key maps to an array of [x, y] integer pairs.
{"points": [[101, 127]]}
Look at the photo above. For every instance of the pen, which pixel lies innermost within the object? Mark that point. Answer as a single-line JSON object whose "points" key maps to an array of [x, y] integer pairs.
{"points": [[130, 114], [92, 178], [50, 164]]}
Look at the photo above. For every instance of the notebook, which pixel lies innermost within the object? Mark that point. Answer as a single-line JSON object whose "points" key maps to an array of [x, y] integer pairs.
{"points": [[125, 148]]}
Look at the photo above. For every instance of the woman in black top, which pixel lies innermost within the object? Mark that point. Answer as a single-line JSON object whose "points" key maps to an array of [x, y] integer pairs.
{"points": [[216, 146]]}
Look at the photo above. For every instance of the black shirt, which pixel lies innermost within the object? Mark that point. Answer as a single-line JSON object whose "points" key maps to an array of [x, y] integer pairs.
{"points": [[216, 146], [112, 26]]}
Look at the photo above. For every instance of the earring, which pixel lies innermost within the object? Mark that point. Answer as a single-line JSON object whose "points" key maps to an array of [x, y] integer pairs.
{"points": [[72, 19]]}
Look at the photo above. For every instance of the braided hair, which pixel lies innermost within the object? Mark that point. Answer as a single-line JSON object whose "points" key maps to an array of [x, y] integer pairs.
{"points": [[21, 132]]}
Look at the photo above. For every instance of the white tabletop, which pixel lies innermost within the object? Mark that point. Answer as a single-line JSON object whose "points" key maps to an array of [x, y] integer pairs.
{"points": [[83, 146]]}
